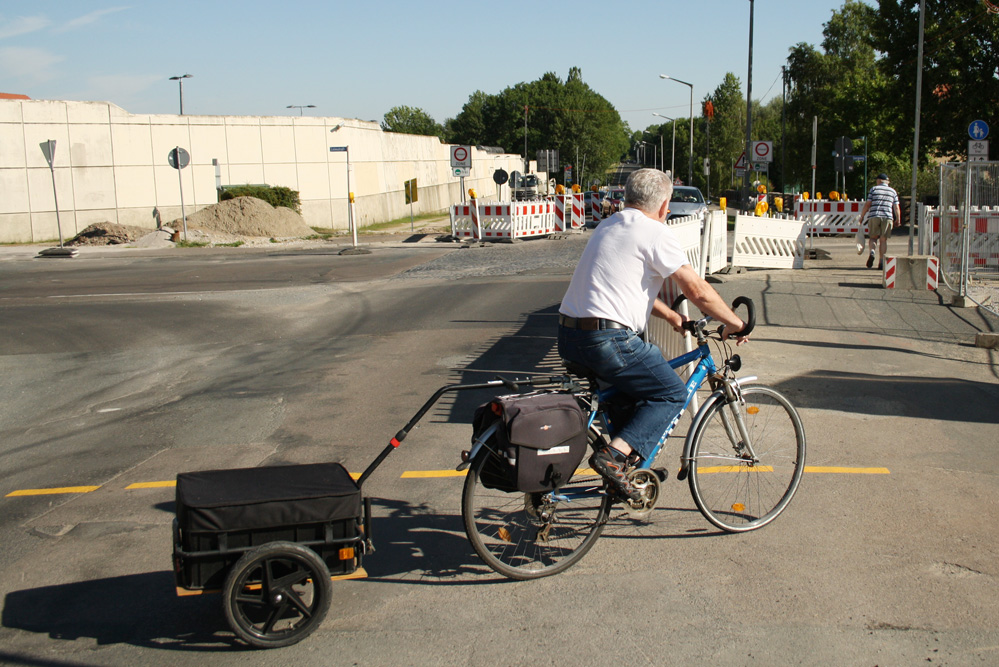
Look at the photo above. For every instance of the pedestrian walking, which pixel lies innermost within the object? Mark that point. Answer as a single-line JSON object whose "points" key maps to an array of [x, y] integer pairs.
{"points": [[885, 214]]}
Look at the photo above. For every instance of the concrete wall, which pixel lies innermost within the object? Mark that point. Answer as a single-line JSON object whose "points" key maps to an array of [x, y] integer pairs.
{"points": [[111, 166]]}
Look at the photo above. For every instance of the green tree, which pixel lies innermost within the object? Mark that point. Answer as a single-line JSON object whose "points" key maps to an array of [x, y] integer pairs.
{"points": [[960, 80], [412, 120], [728, 130], [567, 116]]}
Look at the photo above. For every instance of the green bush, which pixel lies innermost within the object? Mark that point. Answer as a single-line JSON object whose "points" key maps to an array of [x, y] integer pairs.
{"points": [[273, 195]]}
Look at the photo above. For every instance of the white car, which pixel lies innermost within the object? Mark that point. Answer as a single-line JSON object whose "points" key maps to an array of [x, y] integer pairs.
{"points": [[686, 201]]}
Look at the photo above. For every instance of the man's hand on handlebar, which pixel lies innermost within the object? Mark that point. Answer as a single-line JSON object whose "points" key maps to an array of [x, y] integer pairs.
{"points": [[731, 331]]}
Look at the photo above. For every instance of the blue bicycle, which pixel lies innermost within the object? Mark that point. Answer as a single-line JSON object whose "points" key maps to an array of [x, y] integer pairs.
{"points": [[743, 458]]}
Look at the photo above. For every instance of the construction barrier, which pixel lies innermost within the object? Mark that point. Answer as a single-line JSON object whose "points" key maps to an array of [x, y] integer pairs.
{"points": [[716, 227], [503, 221], [560, 203], [915, 272], [983, 243], [578, 211], [769, 243], [595, 209], [830, 217]]}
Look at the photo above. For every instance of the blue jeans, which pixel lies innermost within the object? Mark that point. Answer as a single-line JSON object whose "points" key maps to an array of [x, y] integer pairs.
{"points": [[637, 368]]}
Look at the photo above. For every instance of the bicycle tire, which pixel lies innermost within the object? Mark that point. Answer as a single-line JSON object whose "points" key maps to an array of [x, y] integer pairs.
{"points": [[733, 493], [504, 527]]}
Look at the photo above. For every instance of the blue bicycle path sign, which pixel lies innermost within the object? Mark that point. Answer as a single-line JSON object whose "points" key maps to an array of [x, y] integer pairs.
{"points": [[978, 130]]}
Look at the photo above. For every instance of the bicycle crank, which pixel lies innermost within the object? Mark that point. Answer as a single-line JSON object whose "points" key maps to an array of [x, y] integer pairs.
{"points": [[649, 482]]}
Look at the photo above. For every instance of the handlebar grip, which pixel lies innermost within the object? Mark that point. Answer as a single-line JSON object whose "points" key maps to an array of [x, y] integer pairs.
{"points": [[751, 312]]}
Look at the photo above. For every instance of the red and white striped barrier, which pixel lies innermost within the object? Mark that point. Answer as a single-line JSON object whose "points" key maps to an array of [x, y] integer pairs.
{"points": [[830, 217], [503, 221], [983, 246], [925, 270], [560, 213], [595, 207], [578, 211]]}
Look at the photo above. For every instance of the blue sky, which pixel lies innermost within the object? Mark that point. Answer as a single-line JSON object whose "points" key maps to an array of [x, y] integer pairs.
{"points": [[358, 59]]}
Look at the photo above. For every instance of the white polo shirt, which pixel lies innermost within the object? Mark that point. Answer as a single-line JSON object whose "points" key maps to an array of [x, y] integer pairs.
{"points": [[622, 269]]}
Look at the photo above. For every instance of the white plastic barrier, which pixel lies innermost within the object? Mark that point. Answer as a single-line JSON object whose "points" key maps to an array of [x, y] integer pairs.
{"points": [[830, 217], [503, 221], [769, 243], [716, 227]]}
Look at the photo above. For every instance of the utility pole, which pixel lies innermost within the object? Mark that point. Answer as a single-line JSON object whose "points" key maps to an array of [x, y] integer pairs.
{"points": [[749, 115], [783, 128], [915, 141]]}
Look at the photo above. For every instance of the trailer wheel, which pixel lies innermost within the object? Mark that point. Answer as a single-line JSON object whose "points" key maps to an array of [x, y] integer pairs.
{"points": [[277, 595]]}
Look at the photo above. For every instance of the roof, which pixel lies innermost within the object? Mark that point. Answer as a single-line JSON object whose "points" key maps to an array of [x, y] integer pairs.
{"points": [[13, 96]]}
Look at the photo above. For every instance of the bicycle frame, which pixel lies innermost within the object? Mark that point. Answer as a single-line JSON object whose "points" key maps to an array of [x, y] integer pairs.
{"points": [[705, 368]]}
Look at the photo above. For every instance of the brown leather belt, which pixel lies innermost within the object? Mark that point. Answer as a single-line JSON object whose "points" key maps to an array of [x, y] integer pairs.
{"points": [[589, 323]]}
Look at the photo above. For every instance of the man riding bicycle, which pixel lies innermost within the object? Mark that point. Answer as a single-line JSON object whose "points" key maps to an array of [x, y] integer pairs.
{"points": [[613, 291]]}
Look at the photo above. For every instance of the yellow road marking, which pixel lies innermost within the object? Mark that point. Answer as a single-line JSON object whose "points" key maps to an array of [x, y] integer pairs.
{"points": [[48, 492], [414, 474], [151, 485], [853, 471], [431, 474]]}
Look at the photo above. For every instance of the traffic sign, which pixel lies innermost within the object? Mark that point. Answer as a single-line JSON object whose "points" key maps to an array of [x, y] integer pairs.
{"points": [[760, 166], [461, 171], [500, 177], [978, 130], [763, 151], [178, 158], [412, 194], [978, 148], [740, 164], [461, 156]]}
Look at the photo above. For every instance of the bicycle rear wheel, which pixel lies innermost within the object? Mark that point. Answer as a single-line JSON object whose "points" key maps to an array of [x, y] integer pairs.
{"points": [[732, 491], [532, 535]]}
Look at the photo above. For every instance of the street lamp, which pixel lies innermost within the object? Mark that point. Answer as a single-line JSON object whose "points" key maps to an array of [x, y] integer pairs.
{"points": [[300, 107], [180, 81], [672, 159], [690, 169]]}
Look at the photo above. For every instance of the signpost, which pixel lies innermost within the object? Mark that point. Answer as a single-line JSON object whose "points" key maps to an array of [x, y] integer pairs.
{"points": [[411, 196], [461, 163], [178, 158], [978, 130], [48, 150], [350, 195]]}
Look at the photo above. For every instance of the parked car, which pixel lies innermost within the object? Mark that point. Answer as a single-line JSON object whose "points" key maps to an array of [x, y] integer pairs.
{"points": [[615, 199], [686, 201]]}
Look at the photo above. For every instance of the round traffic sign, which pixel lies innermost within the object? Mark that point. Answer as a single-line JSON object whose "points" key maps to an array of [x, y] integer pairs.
{"points": [[460, 154], [500, 177], [978, 130], [178, 158], [761, 149]]}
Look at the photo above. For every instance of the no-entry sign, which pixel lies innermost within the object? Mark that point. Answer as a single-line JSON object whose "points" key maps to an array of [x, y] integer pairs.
{"points": [[763, 151], [461, 156]]}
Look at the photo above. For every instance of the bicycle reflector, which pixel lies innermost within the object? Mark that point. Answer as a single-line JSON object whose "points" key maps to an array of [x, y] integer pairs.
{"points": [[753, 409]]}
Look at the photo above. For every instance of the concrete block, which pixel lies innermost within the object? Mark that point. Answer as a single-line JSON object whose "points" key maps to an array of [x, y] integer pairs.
{"points": [[914, 272], [987, 340]]}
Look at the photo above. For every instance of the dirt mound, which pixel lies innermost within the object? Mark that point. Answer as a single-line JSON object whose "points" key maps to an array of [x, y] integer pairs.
{"points": [[247, 216], [108, 233]]}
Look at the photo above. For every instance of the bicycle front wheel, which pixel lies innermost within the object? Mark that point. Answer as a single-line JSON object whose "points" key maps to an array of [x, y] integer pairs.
{"points": [[733, 490], [532, 535]]}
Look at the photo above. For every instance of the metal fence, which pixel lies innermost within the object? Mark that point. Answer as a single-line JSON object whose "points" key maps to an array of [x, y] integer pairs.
{"points": [[969, 230]]}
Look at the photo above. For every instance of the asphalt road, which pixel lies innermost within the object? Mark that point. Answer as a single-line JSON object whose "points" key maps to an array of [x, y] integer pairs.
{"points": [[125, 368]]}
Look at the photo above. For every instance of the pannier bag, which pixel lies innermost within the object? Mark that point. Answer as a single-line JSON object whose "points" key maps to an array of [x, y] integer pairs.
{"points": [[540, 442]]}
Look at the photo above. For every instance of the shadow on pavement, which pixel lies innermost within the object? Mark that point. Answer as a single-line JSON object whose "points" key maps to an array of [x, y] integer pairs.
{"points": [[946, 399]]}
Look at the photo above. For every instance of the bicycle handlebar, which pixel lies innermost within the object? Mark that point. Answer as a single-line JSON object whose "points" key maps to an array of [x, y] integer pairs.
{"points": [[750, 321]]}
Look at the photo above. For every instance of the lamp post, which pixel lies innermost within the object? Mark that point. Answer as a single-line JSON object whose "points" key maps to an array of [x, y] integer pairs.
{"points": [[690, 168], [300, 107], [180, 81], [672, 158]]}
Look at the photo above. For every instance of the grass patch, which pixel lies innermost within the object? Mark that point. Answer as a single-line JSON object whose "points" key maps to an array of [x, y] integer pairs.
{"points": [[192, 244], [234, 244]]}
